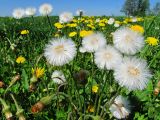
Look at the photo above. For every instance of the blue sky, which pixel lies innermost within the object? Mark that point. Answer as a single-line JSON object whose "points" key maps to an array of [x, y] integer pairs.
{"points": [[92, 7]]}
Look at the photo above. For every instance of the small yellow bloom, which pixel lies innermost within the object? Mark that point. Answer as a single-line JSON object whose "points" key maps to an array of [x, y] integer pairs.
{"points": [[24, 32], [152, 41], [72, 34], [101, 24], [117, 22], [72, 25], [95, 88], [84, 33], [39, 72], [140, 19], [58, 25], [20, 59], [90, 108], [137, 28]]}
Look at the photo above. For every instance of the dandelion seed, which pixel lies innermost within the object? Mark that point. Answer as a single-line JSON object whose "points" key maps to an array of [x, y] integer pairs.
{"points": [[107, 58], [65, 17], [111, 21], [18, 13], [120, 107], [58, 77], [132, 73], [31, 11], [93, 42], [60, 51], [127, 40], [45, 9]]}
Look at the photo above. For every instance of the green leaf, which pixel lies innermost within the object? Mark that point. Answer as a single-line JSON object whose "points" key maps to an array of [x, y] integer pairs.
{"points": [[25, 81]]}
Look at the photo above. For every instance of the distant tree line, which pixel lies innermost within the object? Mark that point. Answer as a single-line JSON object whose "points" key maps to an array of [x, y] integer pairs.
{"points": [[139, 8]]}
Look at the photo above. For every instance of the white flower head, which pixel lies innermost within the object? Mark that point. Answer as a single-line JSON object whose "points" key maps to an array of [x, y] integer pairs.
{"points": [[97, 20], [120, 107], [30, 11], [127, 40], [80, 12], [116, 25], [132, 73], [18, 13], [58, 77], [65, 17], [134, 19], [107, 58], [93, 42], [60, 51], [82, 49], [111, 21], [45, 9]]}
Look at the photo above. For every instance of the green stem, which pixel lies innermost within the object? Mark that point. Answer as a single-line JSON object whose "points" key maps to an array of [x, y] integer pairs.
{"points": [[49, 21], [17, 106]]}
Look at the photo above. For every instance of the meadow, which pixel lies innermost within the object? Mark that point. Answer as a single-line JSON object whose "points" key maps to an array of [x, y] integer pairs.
{"points": [[82, 83]]}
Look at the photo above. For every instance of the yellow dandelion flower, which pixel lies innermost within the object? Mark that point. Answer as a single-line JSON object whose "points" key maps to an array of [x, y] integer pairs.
{"points": [[39, 72], [72, 25], [140, 19], [90, 108], [117, 22], [137, 28], [72, 34], [152, 41], [24, 32], [95, 88], [58, 25], [84, 33], [20, 59], [74, 20], [101, 24]]}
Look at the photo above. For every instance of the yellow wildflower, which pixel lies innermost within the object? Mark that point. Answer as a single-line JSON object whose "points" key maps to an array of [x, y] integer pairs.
{"points": [[152, 41], [58, 25], [101, 24], [72, 25], [20, 59], [95, 88], [84, 33], [137, 28], [117, 22], [74, 20], [72, 34], [140, 19], [91, 26], [39, 72], [24, 32], [90, 108]]}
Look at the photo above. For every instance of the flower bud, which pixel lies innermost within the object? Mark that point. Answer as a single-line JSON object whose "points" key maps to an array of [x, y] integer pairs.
{"points": [[39, 106], [81, 77], [2, 84], [156, 91], [6, 110]]}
